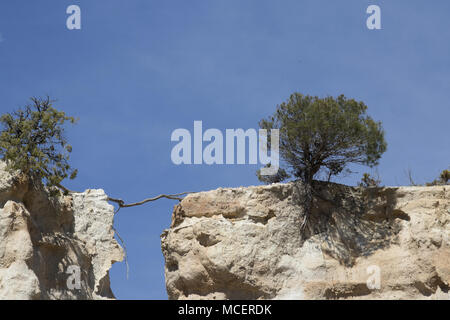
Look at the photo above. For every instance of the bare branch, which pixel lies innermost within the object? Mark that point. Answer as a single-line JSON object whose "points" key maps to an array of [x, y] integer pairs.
{"points": [[409, 174], [122, 204]]}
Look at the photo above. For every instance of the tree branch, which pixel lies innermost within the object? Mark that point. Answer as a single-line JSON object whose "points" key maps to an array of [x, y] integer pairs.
{"points": [[122, 204], [65, 189]]}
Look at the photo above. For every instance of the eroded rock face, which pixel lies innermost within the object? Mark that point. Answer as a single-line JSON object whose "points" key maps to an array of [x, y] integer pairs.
{"points": [[246, 243], [44, 240]]}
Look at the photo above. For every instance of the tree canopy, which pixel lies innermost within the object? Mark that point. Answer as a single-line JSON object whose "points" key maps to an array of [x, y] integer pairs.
{"points": [[325, 134], [32, 141]]}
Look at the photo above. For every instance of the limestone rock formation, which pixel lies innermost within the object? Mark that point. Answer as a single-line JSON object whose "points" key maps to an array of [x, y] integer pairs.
{"points": [[246, 243], [45, 241]]}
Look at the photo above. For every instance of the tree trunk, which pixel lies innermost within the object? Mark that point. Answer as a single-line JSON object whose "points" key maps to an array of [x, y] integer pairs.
{"points": [[307, 204]]}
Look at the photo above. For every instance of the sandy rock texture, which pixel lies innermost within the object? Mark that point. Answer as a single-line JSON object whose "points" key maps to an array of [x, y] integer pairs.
{"points": [[246, 243], [45, 241]]}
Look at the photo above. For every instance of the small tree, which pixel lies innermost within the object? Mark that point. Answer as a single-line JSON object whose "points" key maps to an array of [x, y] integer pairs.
{"points": [[324, 135], [443, 179], [32, 141], [368, 181], [445, 176]]}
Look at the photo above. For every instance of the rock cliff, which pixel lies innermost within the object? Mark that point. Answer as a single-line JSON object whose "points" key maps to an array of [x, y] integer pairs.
{"points": [[246, 243], [54, 247]]}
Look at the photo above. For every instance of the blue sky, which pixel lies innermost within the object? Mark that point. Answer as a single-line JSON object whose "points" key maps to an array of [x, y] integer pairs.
{"points": [[139, 69]]}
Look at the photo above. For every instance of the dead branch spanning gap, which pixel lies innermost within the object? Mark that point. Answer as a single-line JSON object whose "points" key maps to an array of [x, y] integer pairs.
{"points": [[122, 203]]}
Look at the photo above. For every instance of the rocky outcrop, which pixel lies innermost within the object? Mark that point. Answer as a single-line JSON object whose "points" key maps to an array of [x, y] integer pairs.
{"points": [[246, 243], [54, 247]]}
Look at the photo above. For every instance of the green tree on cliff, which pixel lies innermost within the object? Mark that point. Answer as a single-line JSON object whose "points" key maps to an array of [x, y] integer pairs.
{"points": [[324, 135], [32, 141]]}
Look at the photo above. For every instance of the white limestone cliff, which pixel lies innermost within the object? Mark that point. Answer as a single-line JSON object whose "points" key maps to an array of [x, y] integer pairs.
{"points": [[44, 239], [246, 243]]}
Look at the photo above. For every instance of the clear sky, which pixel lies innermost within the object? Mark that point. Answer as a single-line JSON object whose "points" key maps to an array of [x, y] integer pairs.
{"points": [[138, 69]]}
